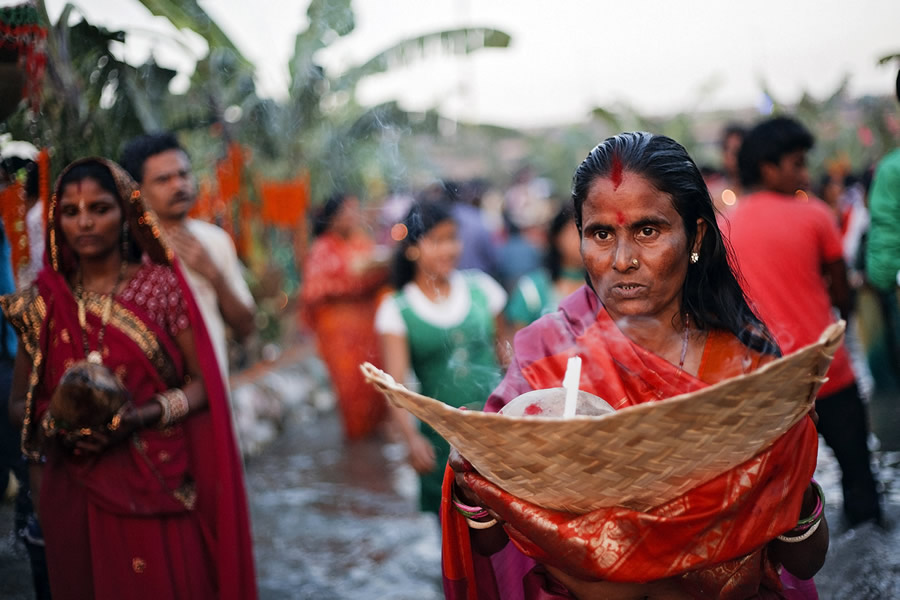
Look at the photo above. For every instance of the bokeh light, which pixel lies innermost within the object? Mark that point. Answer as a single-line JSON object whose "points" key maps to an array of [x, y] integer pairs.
{"points": [[399, 232]]}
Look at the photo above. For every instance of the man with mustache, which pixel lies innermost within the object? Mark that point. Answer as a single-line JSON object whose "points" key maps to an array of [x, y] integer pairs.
{"points": [[162, 168]]}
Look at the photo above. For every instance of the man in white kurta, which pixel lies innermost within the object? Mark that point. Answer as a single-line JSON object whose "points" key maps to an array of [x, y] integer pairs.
{"points": [[163, 170]]}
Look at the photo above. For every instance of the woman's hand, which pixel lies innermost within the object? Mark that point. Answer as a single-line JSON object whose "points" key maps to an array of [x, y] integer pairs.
{"points": [[460, 467], [421, 453], [126, 421], [484, 541], [462, 490], [803, 559]]}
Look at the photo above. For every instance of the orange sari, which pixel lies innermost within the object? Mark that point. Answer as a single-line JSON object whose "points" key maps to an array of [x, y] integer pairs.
{"points": [[713, 538], [339, 302]]}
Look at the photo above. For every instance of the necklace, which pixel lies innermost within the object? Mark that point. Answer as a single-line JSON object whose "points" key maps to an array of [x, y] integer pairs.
{"points": [[96, 356], [684, 341]]}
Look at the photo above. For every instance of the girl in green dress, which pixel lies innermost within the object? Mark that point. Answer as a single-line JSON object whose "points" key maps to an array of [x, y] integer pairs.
{"points": [[441, 324]]}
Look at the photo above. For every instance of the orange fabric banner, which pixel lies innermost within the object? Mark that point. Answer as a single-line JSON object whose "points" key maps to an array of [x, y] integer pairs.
{"points": [[204, 207], [284, 202]]}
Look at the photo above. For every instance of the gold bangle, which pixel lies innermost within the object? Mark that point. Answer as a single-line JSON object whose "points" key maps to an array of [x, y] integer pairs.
{"points": [[178, 404], [480, 524]]}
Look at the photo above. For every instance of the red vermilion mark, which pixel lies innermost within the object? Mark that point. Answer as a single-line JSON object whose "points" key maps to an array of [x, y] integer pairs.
{"points": [[616, 174], [533, 409], [620, 218]]}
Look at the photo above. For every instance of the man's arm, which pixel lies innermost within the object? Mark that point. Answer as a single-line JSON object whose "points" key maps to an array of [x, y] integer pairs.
{"points": [[839, 287]]}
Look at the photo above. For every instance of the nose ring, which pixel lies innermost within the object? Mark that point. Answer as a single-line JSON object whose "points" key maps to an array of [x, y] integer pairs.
{"points": [[635, 262]]}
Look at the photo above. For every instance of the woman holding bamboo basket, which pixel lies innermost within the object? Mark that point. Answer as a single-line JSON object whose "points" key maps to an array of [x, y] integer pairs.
{"points": [[662, 315]]}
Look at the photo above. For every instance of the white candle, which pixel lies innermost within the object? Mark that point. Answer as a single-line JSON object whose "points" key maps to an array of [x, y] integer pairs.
{"points": [[570, 383]]}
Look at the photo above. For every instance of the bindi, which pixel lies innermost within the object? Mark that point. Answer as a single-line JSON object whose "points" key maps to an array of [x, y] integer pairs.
{"points": [[615, 175], [620, 218]]}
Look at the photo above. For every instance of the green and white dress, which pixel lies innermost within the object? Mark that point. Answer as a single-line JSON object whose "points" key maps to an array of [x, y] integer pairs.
{"points": [[535, 296], [451, 349]]}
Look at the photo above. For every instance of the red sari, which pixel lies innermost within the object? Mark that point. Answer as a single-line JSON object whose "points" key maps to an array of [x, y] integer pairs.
{"points": [[339, 302], [712, 539], [164, 513]]}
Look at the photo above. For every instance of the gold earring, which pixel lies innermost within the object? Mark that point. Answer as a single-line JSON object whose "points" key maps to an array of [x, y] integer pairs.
{"points": [[695, 257]]}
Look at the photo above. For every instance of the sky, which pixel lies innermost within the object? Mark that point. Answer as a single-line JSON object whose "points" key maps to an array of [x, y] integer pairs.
{"points": [[565, 58]]}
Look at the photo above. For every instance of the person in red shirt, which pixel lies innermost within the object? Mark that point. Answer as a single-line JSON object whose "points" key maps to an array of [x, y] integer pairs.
{"points": [[788, 250]]}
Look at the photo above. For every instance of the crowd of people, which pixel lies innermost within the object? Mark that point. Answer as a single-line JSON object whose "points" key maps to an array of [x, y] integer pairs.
{"points": [[664, 277]]}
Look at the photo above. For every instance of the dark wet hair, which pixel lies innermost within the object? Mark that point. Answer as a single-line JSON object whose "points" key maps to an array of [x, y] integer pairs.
{"points": [[13, 165], [104, 178], [325, 215], [553, 258], [897, 88], [443, 190], [711, 294], [767, 143], [423, 216], [139, 149]]}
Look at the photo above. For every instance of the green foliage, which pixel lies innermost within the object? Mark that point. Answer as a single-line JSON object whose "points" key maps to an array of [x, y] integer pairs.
{"points": [[91, 100]]}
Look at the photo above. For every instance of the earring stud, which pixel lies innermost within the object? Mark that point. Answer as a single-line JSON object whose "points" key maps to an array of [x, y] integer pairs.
{"points": [[695, 258]]}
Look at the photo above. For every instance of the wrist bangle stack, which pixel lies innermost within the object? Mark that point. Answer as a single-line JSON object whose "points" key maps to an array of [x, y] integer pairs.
{"points": [[174, 404], [807, 526], [473, 512]]}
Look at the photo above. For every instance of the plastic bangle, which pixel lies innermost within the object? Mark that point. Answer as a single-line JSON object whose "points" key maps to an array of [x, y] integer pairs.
{"points": [[799, 538], [465, 507], [820, 507], [481, 524]]}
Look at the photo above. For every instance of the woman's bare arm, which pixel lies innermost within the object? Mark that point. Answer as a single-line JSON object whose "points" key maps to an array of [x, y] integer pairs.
{"points": [[395, 356]]}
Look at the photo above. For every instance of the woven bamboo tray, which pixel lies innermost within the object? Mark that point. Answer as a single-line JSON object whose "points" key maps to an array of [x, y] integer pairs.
{"points": [[640, 456]]}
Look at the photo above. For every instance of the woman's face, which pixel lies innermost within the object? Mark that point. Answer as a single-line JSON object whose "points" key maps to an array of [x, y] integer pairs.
{"points": [[439, 250], [568, 243], [348, 218], [90, 218], [635, 221]]}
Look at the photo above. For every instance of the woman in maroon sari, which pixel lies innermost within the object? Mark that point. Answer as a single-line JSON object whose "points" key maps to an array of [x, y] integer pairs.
{"points": [[152, 505]]}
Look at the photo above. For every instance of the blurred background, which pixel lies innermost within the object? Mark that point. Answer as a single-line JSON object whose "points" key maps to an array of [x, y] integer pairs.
{"points": [[281, 103]]}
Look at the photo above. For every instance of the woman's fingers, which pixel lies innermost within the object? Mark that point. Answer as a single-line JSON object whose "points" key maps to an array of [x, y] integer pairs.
{"points": [[421, 455], [92, 444], [814, 416]]}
